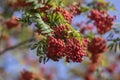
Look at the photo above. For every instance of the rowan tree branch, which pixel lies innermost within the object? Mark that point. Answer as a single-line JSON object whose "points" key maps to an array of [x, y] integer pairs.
{"points": [[116, 39], [17, 45], [1, 32]]}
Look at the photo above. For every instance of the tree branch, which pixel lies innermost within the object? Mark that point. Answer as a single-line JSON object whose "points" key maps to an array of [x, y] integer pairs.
{"points": [[116, 39], [1, 32], [17, 45]]}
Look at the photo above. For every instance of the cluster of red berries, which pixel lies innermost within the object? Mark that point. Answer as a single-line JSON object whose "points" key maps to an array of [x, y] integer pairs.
{"points": [[74, 9], [11, 23], [69, 48], [19, 4], [26, 75], [95, 60], [98, 45], [102, 20], [61, 31], [67, 15], [74, 50], [91, 69], [46, 7], [62, 44], [55, 48]]}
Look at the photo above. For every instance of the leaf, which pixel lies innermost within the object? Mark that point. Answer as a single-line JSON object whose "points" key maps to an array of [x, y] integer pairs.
{"points": [[26, 18], [48, 1], [112, 7], [90, 35], [38, 6], [111, 46], [115, 47], [85, 9], [56, 19], [34, 46], [41, 25], [40, 59], [38, 51], [42, 47], [111, 35], [44, 59], [119, 45]]}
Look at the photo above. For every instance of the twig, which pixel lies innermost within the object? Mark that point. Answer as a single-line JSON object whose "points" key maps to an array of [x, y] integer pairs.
{"points": [[1, 32], [116, 39], [17, 45]]}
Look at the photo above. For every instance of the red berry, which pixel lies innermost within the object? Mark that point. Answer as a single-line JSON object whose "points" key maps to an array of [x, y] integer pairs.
{"points": [[11, 23], [26, 75], [74, 51], [102, 20], [61, 31], [55, 48], [98, 45], [74, 9], [67, 15]]}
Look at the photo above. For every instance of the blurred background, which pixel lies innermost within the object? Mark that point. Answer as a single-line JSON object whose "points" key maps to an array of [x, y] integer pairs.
{"points": [[18, 60]]}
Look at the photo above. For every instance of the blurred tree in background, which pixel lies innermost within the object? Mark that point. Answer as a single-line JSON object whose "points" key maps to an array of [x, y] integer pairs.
{"points": [[59, 40]]}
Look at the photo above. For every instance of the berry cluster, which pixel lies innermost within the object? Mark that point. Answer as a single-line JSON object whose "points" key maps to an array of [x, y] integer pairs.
{"points": [[69, 48], [61, 31], [111, 68], [62, 44], [95, 60], [67, 15], [98, 45], [91, 69], [26, 75], [19, 4], [11, 23], [74, 9], [55, 48], [74, 50], [102, 20], [46, 7]]}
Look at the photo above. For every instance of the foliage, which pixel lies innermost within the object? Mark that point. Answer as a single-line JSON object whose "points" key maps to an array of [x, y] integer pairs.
{"points": [[49, 26]]}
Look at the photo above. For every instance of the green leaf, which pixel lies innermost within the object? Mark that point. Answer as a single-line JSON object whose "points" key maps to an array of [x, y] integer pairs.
{"points": [[115, 47], [42, 47], [112, 7], [40, 59], [48, 1], [41, 25], [85, 9], [111, 46], [34, 46]]}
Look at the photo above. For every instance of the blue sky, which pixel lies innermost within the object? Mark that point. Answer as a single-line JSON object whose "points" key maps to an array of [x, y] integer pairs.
{"points": [[117, 6], [11, 61]]}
